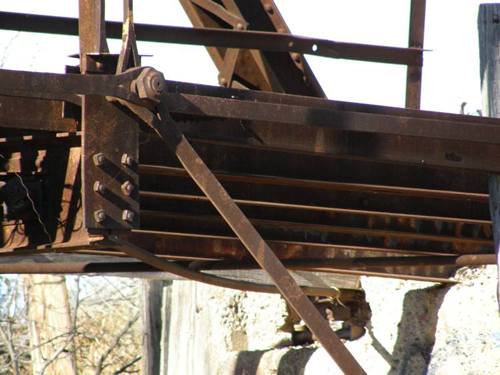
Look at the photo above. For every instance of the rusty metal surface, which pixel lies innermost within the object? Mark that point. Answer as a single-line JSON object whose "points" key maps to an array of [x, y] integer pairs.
{"points": [[278, 227], [43, 115], [278, 72], [164, 126], [266, 41], [391, 217], [109, 182], [318, 185], [415, 40]]}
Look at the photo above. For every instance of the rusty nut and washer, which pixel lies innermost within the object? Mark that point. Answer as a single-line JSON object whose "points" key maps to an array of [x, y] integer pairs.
{"points": [[149, 84], [128, 216], [127, 160], [99, 159], [99, 215], [127, 188], [99, 187]]}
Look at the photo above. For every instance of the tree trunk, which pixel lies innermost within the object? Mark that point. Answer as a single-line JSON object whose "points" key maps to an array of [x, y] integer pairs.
{"points": [[50, 325], [152, 320]]}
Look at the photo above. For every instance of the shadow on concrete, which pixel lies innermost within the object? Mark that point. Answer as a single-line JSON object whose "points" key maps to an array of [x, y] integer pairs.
{"points": [[279, 362], [247, 362], [294, 361], [417, 331]]}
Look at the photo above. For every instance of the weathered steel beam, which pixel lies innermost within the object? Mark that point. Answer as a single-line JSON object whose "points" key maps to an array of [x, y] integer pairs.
{"points": [[416, 40], [222, 38], [24, 113], [322, 184], [261, 70], [55, 86], [75, 267], [331, 118], [275, 228], [363, 263], [161, 196]]}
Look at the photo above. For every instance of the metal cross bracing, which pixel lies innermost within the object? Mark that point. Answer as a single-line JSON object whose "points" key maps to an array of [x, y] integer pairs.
{"points": [[251, 179]]}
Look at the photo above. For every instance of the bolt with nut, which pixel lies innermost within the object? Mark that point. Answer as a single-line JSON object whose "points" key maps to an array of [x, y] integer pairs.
{"points": [[99, 159], [149, 84], [128, 216], [99, 215], [127, 188], [99, 187], [127, 160]]}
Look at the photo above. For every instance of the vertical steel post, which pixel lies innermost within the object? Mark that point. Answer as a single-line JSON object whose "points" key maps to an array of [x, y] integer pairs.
{"points": [[91, 27], [416, 39]]}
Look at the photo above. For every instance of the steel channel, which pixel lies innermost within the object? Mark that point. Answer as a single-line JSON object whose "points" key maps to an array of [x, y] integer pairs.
{"points": [[200, 245], [416, 40], [58, 86], [91, 31], [303, 207], [332, 118], [363, 263], [98, 267], [163, 244], [42, 115], [304, 227], [185, 88], [317, 184], [265, 41]]}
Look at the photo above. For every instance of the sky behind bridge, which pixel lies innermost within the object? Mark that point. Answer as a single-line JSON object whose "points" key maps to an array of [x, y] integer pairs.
{"points": [[451, 66]]}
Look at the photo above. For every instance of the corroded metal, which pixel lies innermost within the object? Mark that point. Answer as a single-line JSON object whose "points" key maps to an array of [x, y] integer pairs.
{"points": [[298, 182]]}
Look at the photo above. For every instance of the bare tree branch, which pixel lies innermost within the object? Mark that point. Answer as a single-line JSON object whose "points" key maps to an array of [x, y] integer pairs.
{"points": [[56, 355], [114, 344], [127, 365], [7, 339]]}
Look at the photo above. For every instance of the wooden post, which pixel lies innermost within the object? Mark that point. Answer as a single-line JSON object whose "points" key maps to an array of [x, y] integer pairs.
{"points": [[152, 291], [489, 52]]}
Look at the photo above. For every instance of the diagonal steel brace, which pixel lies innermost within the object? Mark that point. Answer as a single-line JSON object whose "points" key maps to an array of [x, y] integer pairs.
{"points": [[165, 127]]}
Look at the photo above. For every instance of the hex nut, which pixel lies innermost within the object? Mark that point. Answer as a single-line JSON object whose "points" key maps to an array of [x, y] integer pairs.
{"points": [[127, 188], [149, 84], [99, 215], [127, 160], [99, 159], [99, 187], [128, 216]]}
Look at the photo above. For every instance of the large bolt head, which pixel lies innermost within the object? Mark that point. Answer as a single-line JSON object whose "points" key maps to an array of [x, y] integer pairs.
{"points": [[149, 84]]}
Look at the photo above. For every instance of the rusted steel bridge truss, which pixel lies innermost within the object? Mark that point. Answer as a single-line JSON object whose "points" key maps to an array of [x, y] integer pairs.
{"points": [[112, 161]]}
